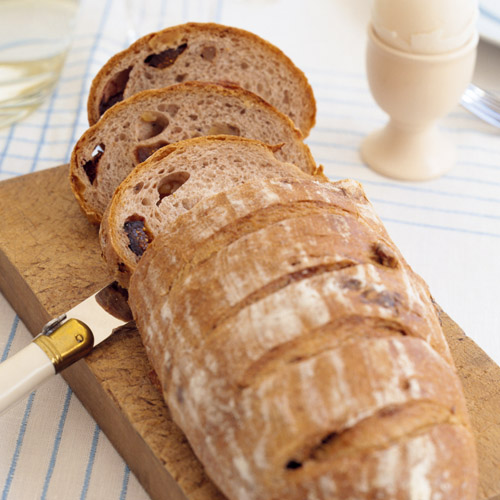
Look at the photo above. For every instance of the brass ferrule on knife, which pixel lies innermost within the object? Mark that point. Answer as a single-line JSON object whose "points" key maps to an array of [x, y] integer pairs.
{"points": [[66, 343]]}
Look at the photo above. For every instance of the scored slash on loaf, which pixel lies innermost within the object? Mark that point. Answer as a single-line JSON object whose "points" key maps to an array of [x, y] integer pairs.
{"points": [[302, 367]]}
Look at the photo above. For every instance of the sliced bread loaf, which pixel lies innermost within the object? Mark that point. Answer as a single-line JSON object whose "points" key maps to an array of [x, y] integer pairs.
{"points": [[133, 129], [301, 355], [171, 182], [205, 52]]}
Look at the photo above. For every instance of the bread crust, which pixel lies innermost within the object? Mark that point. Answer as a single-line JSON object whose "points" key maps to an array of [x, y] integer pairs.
{"points": [[267, 314], [331, 250], [217, 36], [109, 150]]}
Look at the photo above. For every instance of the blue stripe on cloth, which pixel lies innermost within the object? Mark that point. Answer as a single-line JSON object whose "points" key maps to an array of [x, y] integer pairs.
{"points": [[3, 154], [54, 125], [35, 126], [329, 130], [334, 145], [429, 191], [82, 39], [329, 144], [488, 14], [471, 179], [355, 103], [218, 11], [334, 73], [482, 132], [90, 463], [340, 86], [11, 173], [355, 148], [341, 163], [372, 120], [57, 443], [93, 49], [42, 158], [359, 164], [63, 111], [476, 148], [73, 78], [69, 95], [441, 228], [77, 63], [29, 140], [10, 339], [126, 476], [420, 207], [45, 126], [119, 43], [25, 42], [435, 209], [163, 10], [19, 444], [475, 164]]}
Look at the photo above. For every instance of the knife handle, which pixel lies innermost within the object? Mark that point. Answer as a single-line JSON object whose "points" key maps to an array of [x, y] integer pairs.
{"points": [[22, 373], [48, 354]]}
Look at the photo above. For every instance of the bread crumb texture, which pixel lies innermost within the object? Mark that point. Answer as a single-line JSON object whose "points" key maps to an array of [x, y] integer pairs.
{"points": [[133, 130]]}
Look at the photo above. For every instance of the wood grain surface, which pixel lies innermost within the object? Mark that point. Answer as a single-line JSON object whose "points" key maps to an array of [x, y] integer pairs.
{"points": [[50, 260]]}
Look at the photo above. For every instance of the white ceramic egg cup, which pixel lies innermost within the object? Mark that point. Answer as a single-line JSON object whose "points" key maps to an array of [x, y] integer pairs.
{"points": [[415, 91]]}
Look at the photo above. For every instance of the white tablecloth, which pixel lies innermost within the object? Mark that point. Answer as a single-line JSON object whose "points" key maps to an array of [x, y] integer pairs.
{"points": [[448, 229]]}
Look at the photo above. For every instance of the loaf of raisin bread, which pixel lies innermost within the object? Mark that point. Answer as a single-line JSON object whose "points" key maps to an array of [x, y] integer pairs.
{"points": [[205, 52], [171, 182], [298, 351], [135, 128]]}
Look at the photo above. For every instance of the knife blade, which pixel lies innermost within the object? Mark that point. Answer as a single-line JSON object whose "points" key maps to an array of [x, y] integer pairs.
{"points": [[63, 341]]}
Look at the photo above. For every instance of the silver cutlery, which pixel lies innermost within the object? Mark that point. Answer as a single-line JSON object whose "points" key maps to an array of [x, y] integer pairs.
{"points": [[483, 104]]}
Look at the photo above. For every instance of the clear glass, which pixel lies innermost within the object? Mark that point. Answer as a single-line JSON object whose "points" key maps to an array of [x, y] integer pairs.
{"points": [[35, 36]]}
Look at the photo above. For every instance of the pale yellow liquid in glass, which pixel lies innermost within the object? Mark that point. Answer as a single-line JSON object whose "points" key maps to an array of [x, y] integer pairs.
{"points": [[34, 39]]}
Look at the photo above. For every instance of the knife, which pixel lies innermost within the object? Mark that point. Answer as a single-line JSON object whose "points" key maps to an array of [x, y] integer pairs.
{"points": [[63, 341]]}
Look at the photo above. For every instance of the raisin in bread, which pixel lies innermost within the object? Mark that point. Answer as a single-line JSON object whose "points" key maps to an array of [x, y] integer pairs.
{"points": [[298, 351], [133, 129], [205, 52], [171, 182]]}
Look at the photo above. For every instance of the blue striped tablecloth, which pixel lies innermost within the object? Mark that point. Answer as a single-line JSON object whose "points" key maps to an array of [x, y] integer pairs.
{"points": [[448, 229]]}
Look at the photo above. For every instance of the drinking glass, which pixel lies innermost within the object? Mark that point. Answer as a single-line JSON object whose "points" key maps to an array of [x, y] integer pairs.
{"points": [[35, 36]]}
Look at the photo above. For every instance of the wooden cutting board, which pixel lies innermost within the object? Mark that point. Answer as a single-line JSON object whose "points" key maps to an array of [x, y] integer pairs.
{"points": [[50, 260]]}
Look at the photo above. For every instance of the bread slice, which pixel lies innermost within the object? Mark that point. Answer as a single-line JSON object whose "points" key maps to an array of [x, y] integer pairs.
{"points": [[133, 129], [299, 353], [205, 52], [171, 182]]}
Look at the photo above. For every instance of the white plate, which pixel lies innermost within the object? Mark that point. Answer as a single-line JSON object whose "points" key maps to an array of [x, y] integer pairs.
{"points": [[489, 20]]}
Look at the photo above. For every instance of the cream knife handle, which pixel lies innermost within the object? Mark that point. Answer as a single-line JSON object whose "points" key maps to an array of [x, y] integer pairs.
{"points": [[22, 373], [50, 352]]}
